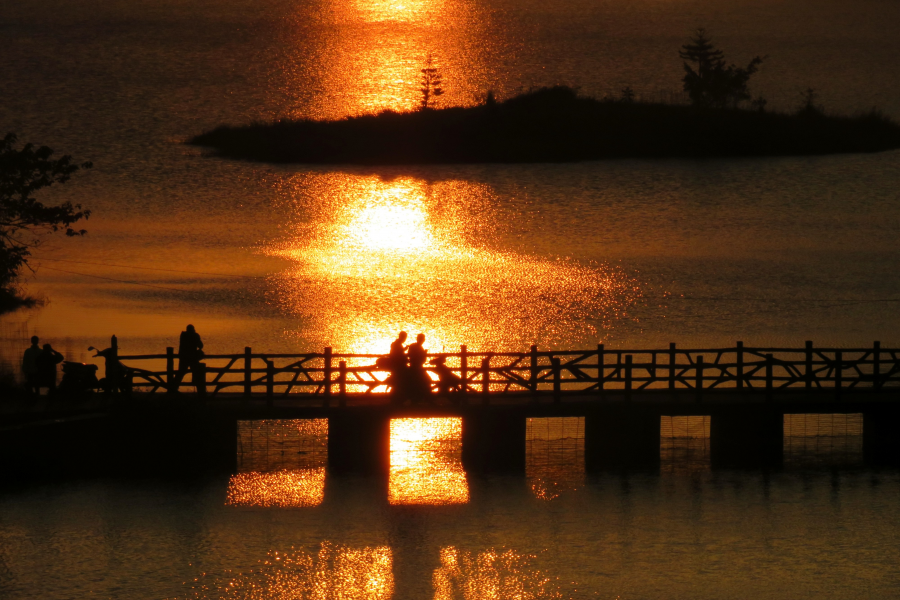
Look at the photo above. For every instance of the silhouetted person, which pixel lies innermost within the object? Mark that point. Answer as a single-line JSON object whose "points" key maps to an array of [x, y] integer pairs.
{"points": [[190, 351], [447, 380], [46, 361], [395, 363], [419, 381], [30, 367], [397, 355]]}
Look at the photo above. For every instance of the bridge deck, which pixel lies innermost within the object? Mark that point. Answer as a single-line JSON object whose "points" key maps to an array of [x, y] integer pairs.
{"points": [[23, 409]]}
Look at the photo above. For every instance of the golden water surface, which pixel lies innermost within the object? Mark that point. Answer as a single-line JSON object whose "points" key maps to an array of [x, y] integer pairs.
{"points": [[426, 462], [382, 256]]}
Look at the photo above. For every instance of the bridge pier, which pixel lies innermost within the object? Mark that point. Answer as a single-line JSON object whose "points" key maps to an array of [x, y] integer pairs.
{"points": [[621, 439], [493, 441], [746, 437], [881, 441], [359, 441]]}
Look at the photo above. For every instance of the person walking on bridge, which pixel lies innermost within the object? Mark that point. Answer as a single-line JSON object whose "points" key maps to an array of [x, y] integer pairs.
{"points": [[30, 367], [190, 351]]}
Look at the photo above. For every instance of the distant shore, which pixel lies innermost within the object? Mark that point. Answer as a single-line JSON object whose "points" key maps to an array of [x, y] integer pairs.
{"points": [[551, 125]]}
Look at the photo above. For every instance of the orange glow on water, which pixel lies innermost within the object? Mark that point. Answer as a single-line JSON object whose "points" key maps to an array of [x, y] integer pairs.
{"points": [[426, 462], [399, 10], [489, 575], [373, 63], [334, 572], [282, 489], [380, 256]]}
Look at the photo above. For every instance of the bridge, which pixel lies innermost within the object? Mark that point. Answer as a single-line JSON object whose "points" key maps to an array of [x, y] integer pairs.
{"points": [[597, 373], [621, 394]]}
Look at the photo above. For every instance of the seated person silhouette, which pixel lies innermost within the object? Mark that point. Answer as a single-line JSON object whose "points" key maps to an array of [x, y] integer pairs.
{"points": [[447, 380]]}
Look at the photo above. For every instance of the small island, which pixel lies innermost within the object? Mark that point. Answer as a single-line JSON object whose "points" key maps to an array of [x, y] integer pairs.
{"points": [[552, 125], [556, 124]]}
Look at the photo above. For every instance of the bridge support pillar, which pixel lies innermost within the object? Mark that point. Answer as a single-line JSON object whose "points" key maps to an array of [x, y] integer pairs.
{"points": [[621, 439], [359, 442], [494, 442], [749, 437], [881, 440]]}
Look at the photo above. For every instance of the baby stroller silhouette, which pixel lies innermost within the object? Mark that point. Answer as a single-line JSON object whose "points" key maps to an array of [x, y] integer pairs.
{"points": [[447, 380]]}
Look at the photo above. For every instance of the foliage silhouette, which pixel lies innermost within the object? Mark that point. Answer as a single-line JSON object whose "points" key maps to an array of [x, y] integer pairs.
{"points": [[809, 106], [23, 218], [432, 84], [712, 83]]}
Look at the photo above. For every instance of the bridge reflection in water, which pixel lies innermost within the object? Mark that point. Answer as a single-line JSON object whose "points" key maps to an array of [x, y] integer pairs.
{"points": [[823, 440], [684, 444], [281, 462], [338, 571], [554, 455]]}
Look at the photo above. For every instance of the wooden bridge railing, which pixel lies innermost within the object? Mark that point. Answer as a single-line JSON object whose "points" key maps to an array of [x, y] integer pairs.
{"points": [[539, 373]]}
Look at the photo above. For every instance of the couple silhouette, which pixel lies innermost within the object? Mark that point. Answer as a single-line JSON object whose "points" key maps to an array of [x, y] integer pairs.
{"points": [[406, 365], [409, 377]]}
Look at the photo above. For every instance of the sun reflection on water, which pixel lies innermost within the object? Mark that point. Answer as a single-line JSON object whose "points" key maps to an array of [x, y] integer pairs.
{"points": [[282, 489], [426, 462], [489, 575], [371, 257], [333, 572], [371, 57]]}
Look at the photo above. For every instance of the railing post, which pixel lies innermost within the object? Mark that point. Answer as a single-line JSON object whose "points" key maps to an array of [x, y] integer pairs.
{"points": [[557, 379], [672, 366], [533, 377], [112, 372], [248, 376], [171, 388], [342, 382], [326, 377], [838, 372], [809, 364], [876, 365], [270, 383], [770, 377], [601, 369], [628, 363], [464, 368], [485, 379], [200, 374], [740, 365], [698, 386]]}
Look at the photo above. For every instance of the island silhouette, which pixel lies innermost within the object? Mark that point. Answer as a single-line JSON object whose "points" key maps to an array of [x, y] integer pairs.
{"points": [[553, 124], [556, 124]]}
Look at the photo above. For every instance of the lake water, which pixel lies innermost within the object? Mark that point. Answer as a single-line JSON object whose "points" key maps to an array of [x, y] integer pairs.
{"points": [[282, 527], [290, 258]]}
